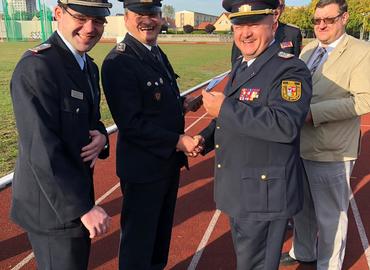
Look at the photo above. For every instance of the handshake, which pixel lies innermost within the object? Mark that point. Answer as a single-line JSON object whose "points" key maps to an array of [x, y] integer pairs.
{"points": [[191, 146]]}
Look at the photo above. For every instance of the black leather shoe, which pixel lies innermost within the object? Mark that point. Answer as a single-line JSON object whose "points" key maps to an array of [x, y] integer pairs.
{"points": [[286, 260]]}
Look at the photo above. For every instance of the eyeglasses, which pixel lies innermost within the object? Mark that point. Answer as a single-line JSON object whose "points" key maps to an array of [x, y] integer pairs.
{"points": [[82, 19], [330, 20]]}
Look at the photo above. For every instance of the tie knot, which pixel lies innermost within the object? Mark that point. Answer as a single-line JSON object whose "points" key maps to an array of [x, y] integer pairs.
{"points": [[322, 50]]}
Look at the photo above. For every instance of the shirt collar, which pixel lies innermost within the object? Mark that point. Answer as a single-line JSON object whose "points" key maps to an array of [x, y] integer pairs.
{"points": [[332, 45], [80, 59]]}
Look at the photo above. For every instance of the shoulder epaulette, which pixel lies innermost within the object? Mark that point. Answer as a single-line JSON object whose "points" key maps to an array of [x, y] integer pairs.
{"points": [[40, 48], [285, 55], [121, 47]]}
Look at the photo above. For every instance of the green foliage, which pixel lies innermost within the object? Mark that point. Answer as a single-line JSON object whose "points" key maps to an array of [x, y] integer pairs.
{"points": [[168, 11], [194, 63]]}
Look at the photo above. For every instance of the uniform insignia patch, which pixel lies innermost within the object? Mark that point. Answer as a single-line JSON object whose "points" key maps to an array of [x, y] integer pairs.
{"points": [[286, 44], [285, 55], [249, 94], [161, 80], [40, 48], [291, 90], [77, 94], [121, 47], [156, 83], [157, 96]]}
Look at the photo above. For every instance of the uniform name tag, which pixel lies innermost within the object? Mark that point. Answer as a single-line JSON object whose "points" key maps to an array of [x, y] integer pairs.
{"points": [[77, 94]]}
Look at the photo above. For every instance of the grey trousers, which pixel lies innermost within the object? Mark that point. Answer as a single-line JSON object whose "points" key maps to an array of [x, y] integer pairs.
{"points": [[320, 229]]}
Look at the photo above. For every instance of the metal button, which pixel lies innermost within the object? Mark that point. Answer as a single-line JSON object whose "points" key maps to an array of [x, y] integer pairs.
{"points": [[263, 177], [217, 146], [77, 110], [219, 166], [218, 127]]}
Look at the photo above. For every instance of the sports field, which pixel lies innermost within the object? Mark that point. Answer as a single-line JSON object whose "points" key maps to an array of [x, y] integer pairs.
{"points": [[194, 63]]}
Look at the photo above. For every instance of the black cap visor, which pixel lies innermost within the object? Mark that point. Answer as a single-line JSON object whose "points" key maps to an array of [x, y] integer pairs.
{"points": [[90, 11], [247, 19], [145, 9]]}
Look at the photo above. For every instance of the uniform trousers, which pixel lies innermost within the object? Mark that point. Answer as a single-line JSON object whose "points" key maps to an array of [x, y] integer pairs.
{"points": [[60, 252], [320, 229], [257, 244], [146, 224]]}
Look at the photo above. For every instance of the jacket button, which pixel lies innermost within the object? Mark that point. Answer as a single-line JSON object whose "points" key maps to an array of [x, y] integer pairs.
{"points": [[217, 146], [219, 166], [263, 177], [218, 127], [77, 110]]}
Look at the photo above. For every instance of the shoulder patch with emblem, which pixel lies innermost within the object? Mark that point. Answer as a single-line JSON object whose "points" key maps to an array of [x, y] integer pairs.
{"points": [[40, 48], [121, 47], [291, 90], [286, 44], [285, 55]]}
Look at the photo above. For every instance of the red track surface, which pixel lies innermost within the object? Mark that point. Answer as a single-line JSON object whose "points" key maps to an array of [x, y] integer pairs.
{"points": [[194, 211]]}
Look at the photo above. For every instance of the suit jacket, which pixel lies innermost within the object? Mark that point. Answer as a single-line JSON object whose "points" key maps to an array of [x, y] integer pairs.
{"points": [[289, 37], [341, 92], [54, 111], [258, 173], [146, 105]]}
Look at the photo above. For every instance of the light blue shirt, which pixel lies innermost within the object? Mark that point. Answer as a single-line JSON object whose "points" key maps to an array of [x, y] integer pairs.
{"points": [[81, 59]]}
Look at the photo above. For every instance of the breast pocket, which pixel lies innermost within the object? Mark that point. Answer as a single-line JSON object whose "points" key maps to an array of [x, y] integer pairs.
{"points": [[153, 99], [263, 189], [75, 115]]}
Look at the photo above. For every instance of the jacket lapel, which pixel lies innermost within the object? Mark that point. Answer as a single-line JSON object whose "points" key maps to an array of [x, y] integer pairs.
{"points": [[72, 68], [252, 70]]}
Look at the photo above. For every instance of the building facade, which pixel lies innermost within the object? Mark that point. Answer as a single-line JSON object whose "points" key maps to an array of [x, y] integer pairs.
{"points": [[223, 23], [192, 18], [21, 6]]}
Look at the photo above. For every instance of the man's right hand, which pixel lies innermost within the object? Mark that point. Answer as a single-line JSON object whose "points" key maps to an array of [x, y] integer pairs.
{"points": [[96, 221]]}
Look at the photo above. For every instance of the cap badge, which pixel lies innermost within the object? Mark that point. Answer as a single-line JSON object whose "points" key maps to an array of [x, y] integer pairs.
{"points": [[245, 8]]}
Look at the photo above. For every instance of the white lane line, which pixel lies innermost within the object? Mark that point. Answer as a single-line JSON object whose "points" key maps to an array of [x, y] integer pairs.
{"points": [[360, 228], [103, 197], [24, 262], [194, 262]]}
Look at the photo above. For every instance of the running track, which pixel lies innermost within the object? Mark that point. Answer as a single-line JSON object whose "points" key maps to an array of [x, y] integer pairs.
{"points": [[201, 236]]}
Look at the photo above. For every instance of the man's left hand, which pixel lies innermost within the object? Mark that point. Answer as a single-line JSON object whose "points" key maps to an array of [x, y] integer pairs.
{"points": [[212, 102], [91, 151]]}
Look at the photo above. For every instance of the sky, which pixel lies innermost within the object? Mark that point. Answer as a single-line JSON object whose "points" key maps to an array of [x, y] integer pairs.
{"points": [[213, 7]]}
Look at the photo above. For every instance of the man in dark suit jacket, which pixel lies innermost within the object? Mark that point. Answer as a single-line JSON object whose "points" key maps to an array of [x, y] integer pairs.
{"points": [[143, 96], [55, 93], [255, 133], [289, 36]]}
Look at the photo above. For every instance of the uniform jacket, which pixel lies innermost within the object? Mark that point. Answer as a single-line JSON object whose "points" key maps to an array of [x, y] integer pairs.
{"points": [[54, 112], [288, 36], [341, 92], [258, 173], [146, 105]]}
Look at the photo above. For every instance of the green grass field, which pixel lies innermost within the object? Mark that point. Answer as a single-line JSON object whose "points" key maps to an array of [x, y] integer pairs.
{"points": [[193, 63]]}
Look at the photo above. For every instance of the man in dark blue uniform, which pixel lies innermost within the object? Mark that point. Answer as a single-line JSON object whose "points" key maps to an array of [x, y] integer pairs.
{"points": [[143, 96], [289, 36], [255, 133], [55, 93]]}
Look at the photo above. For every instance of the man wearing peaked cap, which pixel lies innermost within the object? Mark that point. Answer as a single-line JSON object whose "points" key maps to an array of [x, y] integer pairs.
{"points": [[289, 36], [55, 93], [255, 135], [142, 93]]}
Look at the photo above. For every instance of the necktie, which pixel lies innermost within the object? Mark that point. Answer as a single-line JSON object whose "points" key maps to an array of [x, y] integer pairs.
{"points": [[316, 62], [88, 78], [239, 71], [157, 55]]}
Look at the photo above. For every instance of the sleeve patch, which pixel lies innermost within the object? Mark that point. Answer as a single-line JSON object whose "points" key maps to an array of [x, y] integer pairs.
{"points": [[291, 90]]}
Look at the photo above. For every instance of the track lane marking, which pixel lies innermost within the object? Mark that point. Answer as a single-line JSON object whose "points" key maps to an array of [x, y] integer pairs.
{"points": [[203, 243]]}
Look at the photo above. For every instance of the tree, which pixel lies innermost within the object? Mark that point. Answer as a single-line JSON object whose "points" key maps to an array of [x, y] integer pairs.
{"points": [[188, 29], [168, 11], [209, 28]]}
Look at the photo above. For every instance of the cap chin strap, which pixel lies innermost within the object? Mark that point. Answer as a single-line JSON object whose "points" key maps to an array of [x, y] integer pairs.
{"points": [[267, 11], [88, 4]]}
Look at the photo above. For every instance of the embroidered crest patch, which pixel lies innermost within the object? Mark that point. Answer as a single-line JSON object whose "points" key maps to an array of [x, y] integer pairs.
{"points": [[291, 90]]}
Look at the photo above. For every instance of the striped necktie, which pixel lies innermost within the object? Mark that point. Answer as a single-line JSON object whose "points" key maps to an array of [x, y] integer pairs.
{"points": [[316, 62]]}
